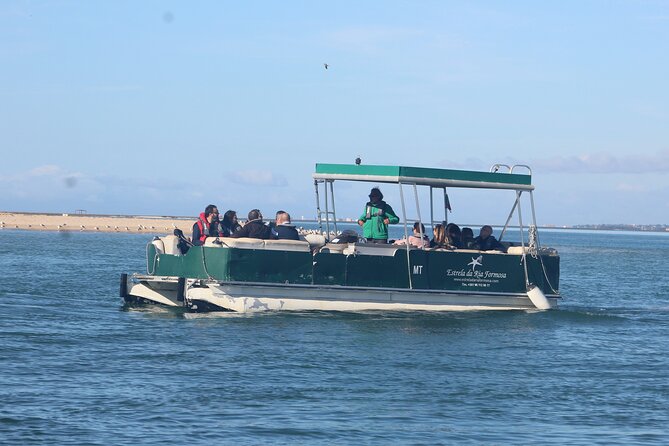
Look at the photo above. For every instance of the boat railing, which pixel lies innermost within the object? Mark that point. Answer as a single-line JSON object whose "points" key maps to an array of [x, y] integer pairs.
{"points": [[523, 166], [329, 214], [495, 168]]}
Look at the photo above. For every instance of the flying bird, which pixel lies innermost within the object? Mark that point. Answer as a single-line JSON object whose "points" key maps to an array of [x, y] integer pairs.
{"points": [[326, 66]]}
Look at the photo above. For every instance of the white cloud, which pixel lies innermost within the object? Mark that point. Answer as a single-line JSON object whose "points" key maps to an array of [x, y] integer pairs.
{"points": [[631, 187], [607, 164], [600, 163], [46, 170], [258, 177]]}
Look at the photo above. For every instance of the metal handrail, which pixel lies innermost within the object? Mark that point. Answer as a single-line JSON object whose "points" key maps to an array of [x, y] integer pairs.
{"points": [[525, 166], [495, 167]]}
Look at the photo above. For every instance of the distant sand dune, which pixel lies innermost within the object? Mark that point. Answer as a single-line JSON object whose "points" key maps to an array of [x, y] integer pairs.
{"points": [[94, 223]]}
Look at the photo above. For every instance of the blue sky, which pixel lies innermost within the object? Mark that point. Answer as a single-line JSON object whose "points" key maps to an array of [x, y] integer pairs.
{"points": [[160, 108]]}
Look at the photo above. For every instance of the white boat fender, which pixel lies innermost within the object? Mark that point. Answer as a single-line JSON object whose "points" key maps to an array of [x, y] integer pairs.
{"points": [[538, 298]]}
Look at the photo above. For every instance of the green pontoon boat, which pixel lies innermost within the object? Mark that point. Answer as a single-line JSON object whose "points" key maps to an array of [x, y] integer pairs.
{"points": [[322, 273]]}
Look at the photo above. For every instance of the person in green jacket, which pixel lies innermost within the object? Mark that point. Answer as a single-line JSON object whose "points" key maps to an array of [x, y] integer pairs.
{"points": [[377, 216]]}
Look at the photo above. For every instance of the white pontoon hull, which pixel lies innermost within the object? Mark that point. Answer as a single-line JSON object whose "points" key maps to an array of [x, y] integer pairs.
{"points": [[243, 298]]}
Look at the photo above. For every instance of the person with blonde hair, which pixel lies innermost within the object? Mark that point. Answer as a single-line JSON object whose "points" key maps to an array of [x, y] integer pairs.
{"points": [[440, 239]]}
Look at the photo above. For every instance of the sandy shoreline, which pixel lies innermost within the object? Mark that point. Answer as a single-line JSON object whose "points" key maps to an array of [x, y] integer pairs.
{"points": [[95, 223]]}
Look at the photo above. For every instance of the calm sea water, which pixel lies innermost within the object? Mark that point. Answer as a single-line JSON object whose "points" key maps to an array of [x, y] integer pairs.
{"points": [[77, 367]]}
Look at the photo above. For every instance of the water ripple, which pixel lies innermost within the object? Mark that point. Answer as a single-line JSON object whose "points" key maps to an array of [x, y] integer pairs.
{"points": [[78, 367]]}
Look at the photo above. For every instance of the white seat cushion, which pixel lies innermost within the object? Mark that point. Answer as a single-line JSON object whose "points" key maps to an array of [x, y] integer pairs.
{"points": [[315, 240], [171, 244], [517, 250], [287, 245], [243, 243]]}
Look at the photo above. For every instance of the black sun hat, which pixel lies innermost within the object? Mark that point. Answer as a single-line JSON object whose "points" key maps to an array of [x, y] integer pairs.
{"points": [[376, 191]]}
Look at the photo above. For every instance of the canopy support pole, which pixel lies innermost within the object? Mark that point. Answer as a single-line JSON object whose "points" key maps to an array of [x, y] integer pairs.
{"points": [[327, 212], [420, 219], [318, 207], [406, 235], [508, 219], [334, 212], [522, 239], [431, 208]]}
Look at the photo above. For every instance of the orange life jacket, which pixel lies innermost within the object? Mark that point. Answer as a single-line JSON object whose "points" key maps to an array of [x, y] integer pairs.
{"points": [[203, 224]]}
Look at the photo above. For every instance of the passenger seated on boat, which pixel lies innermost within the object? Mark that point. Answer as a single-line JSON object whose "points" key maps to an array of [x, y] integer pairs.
{"points": [[254, 227], [272, 224], [467, 238], [416, 240], [487, 242], [283, 229], [377, 216], [207, 226], [454, 235], [229, 224], [440, 239]]}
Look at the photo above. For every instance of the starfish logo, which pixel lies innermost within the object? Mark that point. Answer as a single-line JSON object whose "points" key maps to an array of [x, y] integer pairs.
{"points": [[476, 262]]}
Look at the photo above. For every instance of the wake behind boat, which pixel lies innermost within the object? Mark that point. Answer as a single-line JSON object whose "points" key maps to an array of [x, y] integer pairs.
{"points": [[343, 272]]}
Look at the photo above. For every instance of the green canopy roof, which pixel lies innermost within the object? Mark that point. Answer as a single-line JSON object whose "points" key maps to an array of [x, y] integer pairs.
{"points": [[424, 176]]}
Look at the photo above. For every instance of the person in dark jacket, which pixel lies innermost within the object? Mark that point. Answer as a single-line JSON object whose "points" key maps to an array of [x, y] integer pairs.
{"points": [[486, 242], [229, 224], [377, 216], [283, 229], [254, 227], [454, 234], [467, 238], [207, 226], [272, 223]]}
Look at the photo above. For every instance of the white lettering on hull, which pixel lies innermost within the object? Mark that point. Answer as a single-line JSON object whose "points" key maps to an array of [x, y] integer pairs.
{"points": [[474, 278]]}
